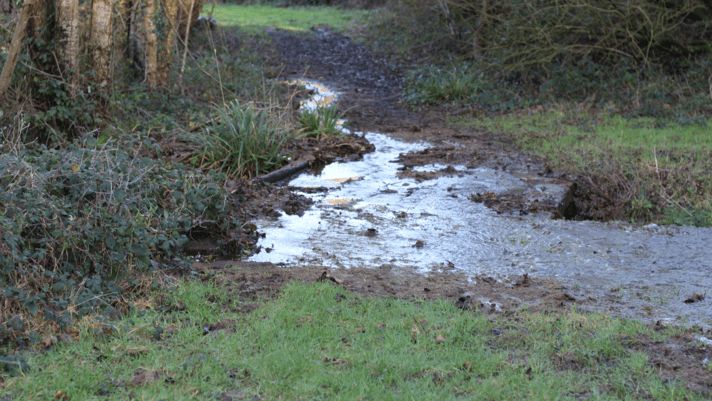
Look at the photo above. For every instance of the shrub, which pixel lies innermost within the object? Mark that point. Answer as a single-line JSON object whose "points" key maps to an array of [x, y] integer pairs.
{"points": [[319, 122], [243, 142], [77, 224], [643, 55]]}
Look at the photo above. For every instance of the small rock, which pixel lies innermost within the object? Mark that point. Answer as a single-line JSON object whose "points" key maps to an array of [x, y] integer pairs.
{"points": [[419, 244], [371, 232]]}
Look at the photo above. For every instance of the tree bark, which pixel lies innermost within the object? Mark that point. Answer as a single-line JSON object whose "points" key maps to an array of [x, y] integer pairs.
{"points": [[101, 40], [69, 26], [168, 40], [18, 37], [149, 26]]}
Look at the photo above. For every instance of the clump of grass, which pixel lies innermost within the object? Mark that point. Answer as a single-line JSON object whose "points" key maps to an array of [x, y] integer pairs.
{"points": [[243, 142], [434, 85], [317, 341], [320, 122]]}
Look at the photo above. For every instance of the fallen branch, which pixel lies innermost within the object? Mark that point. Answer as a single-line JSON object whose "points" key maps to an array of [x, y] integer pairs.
{"points": [[288, 170]]}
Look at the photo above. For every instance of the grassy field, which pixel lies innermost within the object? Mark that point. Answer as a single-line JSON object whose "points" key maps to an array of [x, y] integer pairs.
{"points": [[258, 17], [668, 164], [319, 342]]}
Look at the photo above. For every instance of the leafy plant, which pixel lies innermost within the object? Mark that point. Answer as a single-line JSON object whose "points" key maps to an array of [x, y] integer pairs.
{"points": [[78, 224], [243, 142], [319, 122]]}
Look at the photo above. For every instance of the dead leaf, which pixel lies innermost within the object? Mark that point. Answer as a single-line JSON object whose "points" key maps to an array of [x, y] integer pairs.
{"points": [[696, 297], [335, 361], [414, 333], [142, 377]]}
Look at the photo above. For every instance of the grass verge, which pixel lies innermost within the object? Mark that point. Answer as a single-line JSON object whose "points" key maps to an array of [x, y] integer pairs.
{"points": [[661, 169], [318, 342], [299, 19]]}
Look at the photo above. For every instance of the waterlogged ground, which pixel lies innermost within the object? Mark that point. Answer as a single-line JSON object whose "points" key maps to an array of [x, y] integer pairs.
{"points": [[368, 213]]}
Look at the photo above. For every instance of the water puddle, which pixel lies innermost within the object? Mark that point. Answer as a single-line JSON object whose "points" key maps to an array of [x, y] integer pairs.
{"points": [[364, 215]]}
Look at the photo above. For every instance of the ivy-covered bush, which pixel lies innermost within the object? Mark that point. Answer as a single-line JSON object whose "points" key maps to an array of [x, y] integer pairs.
{"points": [[76, 224]]}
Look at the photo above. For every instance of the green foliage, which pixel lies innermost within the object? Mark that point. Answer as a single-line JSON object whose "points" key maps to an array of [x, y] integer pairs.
{"points": [[319, 122], [320, 342], [78, 224], [243, 142]]}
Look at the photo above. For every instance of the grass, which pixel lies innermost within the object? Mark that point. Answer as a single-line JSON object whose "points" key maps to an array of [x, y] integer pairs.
{"points": [[243, 142], [319, 122], [319, 342], [300, 19], [671, 161]]}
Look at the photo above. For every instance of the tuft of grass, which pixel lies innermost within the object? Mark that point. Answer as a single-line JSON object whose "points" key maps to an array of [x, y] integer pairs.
{"points": [[299, 19], [319, 342], [243, 142], [319, 122], [435, 85]]}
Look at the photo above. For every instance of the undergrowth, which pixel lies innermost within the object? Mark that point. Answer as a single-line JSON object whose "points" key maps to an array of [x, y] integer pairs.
{"points": [[80, 225]]}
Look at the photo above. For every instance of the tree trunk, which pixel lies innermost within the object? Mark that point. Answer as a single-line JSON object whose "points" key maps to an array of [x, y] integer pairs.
{"points": [[101, 40], [149, 25], [69, 26], [168, 40], [15, 46]]}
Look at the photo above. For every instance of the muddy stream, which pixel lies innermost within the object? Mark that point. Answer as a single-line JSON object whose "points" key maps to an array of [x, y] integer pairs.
{"points": [[366, 215]]}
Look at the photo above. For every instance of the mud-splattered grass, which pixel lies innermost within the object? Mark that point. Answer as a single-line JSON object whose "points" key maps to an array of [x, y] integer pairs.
{"points": [[318, 341], [298, 19], [654, 170]]}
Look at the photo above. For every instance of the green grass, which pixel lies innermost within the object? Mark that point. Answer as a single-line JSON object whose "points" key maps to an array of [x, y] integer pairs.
{"points": [[300, 19], [319, 342], [320, 122], [669, 163], [243, 142]]}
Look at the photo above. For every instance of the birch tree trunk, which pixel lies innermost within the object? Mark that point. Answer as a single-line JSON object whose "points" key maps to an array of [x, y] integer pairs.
{"points": [[101, 40], [69, 30]]}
